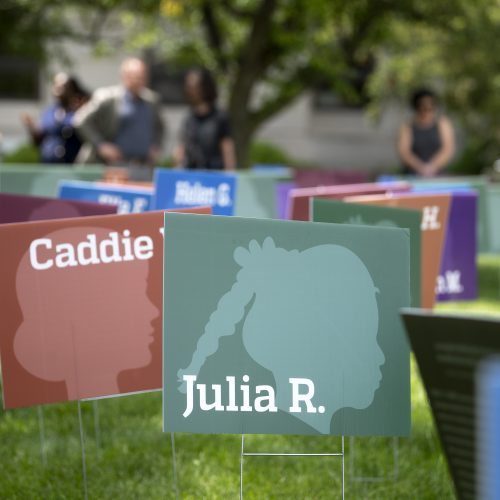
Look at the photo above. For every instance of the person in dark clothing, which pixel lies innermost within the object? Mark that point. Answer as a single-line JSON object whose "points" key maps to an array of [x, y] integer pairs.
{"points": [[55, 134], [426, 144], [206, 141]]}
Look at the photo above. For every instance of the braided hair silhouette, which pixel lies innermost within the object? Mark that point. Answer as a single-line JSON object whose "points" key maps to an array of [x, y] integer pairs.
{"points": [[313, 314]]}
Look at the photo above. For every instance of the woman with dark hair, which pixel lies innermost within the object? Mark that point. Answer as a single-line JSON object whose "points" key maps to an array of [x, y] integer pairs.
{"points": [[206, 141], [426, 144], [55, 135]]}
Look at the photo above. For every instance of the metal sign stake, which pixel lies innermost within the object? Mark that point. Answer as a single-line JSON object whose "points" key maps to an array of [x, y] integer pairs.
{"points": [[41, 430], [247, 454], [174, 465], [97, 426], [82, 446]]}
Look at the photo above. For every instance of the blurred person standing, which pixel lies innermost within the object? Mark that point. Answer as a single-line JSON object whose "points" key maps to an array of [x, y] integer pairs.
{"points": [[55, 134], [122, 125], [206, 141], [426, 143]]}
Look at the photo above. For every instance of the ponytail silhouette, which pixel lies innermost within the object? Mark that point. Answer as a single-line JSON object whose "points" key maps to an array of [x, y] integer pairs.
{"points": [[231, 307], [313, 313]]}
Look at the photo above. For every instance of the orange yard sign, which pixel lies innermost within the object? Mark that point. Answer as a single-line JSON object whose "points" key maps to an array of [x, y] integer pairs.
{"points": [[434, 208], [80, 306], [299, 199]]}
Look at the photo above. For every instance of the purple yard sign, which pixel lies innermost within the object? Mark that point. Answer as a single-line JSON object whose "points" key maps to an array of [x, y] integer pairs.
{"points": [[282, 190], [458, 276], [23, 208]]}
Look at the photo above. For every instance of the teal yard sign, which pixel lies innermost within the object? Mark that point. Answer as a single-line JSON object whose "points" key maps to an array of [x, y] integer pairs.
{"points": [[279, 327], [342, 212]]}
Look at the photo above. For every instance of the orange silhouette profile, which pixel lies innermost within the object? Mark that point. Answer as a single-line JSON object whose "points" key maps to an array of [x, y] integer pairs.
{"points": [[83, 324]]}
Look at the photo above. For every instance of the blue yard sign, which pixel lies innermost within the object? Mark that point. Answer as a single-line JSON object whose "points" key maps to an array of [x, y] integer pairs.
{"points": [[184, 189], [129, 199]]}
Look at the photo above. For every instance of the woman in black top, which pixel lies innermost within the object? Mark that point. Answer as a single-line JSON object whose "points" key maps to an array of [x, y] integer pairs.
{"points": [[426, 144], [206, 141]]}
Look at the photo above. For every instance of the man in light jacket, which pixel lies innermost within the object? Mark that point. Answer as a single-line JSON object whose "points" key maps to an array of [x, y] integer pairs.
{"points": [[122, 125]]}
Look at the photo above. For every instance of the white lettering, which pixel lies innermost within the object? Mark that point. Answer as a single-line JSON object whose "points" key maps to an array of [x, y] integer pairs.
{"points": [[143, 247], [453, 280], [194, 194], [91, 246], [216, 405], [264, 396], [430, 219], [245, 390], [65, 255], [440, 285], [223, 198], [449, 283], [127, 246], [139, 205], [268, 398], [116, 248], [297, 397], [112, 244], [114, 199], [231, 383], [190, 380], [36, 264]]}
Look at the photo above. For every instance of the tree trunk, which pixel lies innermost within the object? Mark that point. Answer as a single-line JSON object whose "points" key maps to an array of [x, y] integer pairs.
{"points": [[241, 125], [242, 141], [251, 68]]}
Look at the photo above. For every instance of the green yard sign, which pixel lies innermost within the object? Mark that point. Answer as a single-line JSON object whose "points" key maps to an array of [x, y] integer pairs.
{"points": [[43, 180], [279, 327], [371, 215]]}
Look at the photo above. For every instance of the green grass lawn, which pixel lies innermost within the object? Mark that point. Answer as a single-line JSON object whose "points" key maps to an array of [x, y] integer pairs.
{"points": [[134, 458]]}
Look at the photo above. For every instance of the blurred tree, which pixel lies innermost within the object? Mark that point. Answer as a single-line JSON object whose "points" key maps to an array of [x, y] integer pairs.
{"points": [[26, 26], [459, 60], [23, 34], [31, 32], [267, 52]]}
